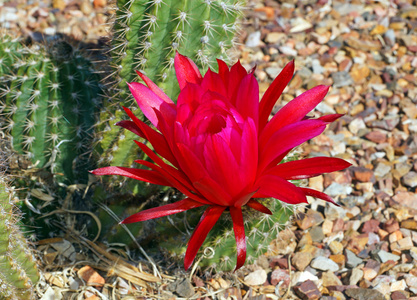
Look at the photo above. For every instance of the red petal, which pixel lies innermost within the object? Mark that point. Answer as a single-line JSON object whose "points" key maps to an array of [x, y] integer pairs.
{"points": [[207, 221], [154, 88], [221, 164], [162, 211], [213, 82], [287, 138], [258, 206], [307, 168], [186, 70], [236, 74], [239, 229], [295, 110], [156, 139], [330, 118], [175, 177], [131, 126], [148, 101], [138, 174], [273, 93], [247, 101], [223, 72], [248, 152], [317, 194], [201, 180], [279, 188]]}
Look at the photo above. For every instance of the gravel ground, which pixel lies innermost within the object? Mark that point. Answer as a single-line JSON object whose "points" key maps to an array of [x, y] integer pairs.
{"points": [[367, 248]]}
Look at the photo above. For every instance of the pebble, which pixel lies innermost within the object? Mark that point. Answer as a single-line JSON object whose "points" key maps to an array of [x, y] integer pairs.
{"points": [[324, 264], [288, 51], [303, 276], [280, 276], [352, 260], [301, 260], [399, 285], [308, 290], [316, 234], [341, 79], [253, 40], [364, 294], [410, 179], [381, 170], [257, 277], [330, 279], [356, 276], [337, 189], [275, 37], [91, 276], [336, 247], [385, 256]]}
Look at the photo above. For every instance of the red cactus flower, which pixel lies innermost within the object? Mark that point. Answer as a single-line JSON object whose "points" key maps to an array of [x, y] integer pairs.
{"points": [[218, 148]]}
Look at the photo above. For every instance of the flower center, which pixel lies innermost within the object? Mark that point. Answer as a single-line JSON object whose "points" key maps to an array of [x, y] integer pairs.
{"points": [[215, 124]]}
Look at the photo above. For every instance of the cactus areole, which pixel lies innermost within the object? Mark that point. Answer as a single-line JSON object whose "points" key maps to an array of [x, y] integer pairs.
{"points": [[218, 148]]}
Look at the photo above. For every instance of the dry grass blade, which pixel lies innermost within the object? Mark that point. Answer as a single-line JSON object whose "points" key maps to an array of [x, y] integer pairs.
{"points": [[116, 218], [120, 265], [96, 219]]}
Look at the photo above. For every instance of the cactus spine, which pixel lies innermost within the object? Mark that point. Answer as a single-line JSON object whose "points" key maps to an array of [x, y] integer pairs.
{"points": [[18, 270], [48, 101]]}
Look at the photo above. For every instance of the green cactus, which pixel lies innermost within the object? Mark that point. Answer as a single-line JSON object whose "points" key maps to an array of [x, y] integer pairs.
{"points": [[18, 271], [219, 249], [146, 34], [10, 52], [48, 103]]}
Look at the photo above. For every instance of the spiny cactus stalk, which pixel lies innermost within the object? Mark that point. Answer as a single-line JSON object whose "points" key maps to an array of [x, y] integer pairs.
{"points": [[146, 34], [48, 97], [219, 249], [18, 270], [10, 52]]}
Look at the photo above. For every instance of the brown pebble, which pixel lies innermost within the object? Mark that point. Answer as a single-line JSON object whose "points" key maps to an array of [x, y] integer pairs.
{"points": [[308, 290], [90, 276]]}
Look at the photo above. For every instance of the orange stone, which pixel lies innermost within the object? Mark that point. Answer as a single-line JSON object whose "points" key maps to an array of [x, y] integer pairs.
{"points": [[395, 236], [91, 277], [340, 259]]}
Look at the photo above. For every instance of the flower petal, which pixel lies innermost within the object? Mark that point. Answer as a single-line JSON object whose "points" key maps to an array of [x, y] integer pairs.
{"points": [[273, 92], [154, 88], [249, 152], [132, 127], [317, 194], [295, 110], [213, 82], [236, 74], [287, 138], [157, 140], [138, 174], [186, 70], [148, 101], [247, 101], [307, 168], [201, 180], [279, 188], [175, 177], [223, 71], [258, 206], [207, 221], [330, 118], [239, 229], [162, 211], [221, 164]]}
